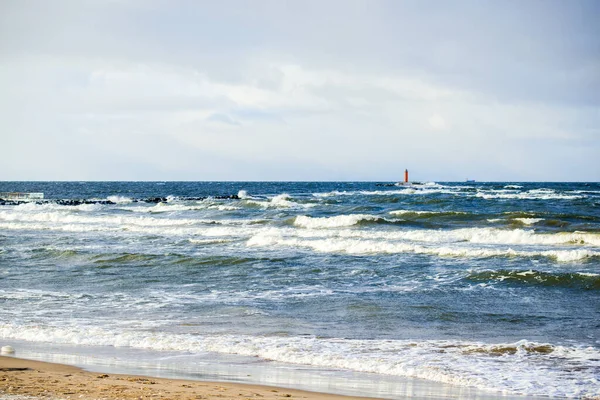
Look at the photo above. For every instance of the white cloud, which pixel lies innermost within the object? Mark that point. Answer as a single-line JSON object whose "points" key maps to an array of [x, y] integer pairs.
{"points": [[437, 122], [359, 96]]}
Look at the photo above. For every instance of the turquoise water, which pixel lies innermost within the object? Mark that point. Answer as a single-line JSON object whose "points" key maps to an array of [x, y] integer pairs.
{"points": [[487, 285]]}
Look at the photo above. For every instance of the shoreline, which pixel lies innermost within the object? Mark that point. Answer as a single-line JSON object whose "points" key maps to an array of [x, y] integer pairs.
{"points": [[246, 371], [127, 378], [40, 379]]}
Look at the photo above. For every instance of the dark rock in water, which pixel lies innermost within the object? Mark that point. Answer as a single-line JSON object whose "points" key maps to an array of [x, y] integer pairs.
{"points": [[155, 200], [4, 202], [78, 202]]}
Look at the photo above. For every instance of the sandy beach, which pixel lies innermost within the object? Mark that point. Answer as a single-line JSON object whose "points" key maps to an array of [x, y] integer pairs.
{"points": [[20, 377]]}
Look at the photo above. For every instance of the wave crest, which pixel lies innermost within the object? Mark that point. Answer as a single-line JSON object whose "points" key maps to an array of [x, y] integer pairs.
{"points": [[577, 280], [334, 222]]}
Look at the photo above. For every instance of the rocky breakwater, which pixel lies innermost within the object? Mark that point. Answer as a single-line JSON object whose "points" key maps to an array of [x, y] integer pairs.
{"points": [[78, 202]]}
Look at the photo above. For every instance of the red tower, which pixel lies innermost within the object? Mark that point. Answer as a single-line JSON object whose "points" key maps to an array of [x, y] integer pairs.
{"points": [[405, 176]]}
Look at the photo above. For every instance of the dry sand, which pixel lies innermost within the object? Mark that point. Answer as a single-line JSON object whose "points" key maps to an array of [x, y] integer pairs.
{"points": [[55, 381]]}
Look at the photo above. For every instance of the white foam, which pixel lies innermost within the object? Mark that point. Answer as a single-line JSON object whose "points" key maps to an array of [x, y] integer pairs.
{"points": [[242, 194], [223, 207], [7, 350], [332, 222], [334, 193], [512, 236], [282, 200], [312, 228], [590, 274], [207, 204], [486, 235], [49, 207], [65, 228], [62, 221], [422, 212], [539, 194], [209, 241], [173, 204], [570, 255], [410, 190], [166, 207], [524, 367], [370, 246], [508, 192], [542, 191], [425, 189], [529, 221], [404, 212], [120, 199], [55, 218], [34, 207]]}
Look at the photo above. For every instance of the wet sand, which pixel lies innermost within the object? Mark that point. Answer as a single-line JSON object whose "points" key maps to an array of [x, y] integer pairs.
{"points": [[56, 381]]}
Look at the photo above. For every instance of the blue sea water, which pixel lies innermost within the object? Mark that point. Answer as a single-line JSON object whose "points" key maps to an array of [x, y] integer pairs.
{"points": [[494, 286]]}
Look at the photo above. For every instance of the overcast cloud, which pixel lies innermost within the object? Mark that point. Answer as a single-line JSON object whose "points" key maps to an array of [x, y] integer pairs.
{"points": [[302, 90]]}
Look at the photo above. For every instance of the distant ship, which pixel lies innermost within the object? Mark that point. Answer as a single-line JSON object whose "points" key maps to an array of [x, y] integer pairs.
{"points": [[470, 180]]}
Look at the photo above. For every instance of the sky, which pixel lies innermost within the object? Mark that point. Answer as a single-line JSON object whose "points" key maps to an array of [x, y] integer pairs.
{"points": [[300, 90]]}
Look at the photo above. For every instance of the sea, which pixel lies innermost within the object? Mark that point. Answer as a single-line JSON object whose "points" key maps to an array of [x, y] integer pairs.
{"points": [[364, 288]]}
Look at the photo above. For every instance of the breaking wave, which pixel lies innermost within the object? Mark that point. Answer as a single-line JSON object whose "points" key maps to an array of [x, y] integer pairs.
{"points": [[366, 246], [335, 222], [578, 280], [524, 367]]}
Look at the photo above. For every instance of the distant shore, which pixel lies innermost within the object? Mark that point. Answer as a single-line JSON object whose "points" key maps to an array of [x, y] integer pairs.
{"points": [[20, 377]]}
